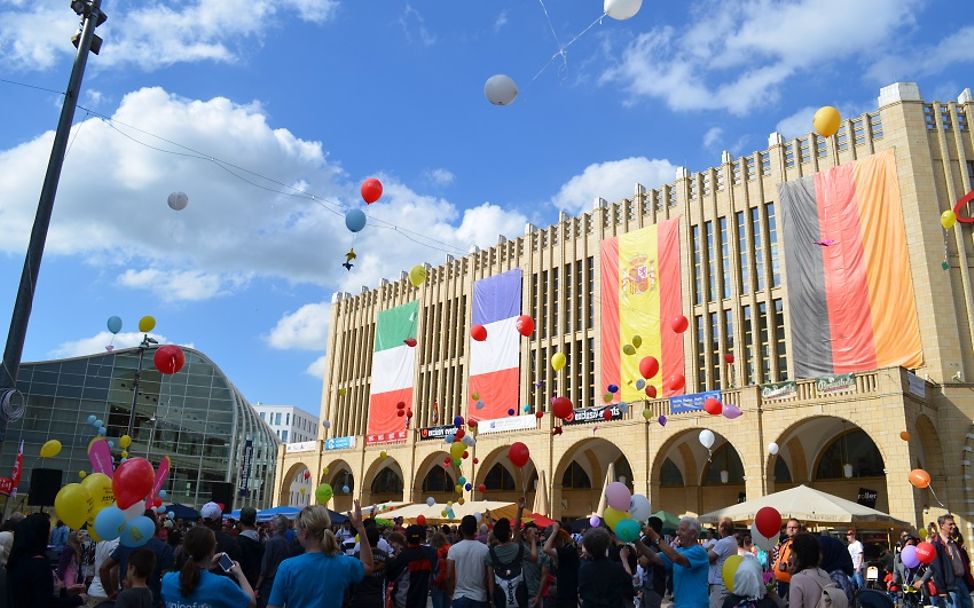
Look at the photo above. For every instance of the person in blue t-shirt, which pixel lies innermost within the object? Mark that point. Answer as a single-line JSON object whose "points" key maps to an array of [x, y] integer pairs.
{"points": [[320, 577], [688, 562], [195, 587]]}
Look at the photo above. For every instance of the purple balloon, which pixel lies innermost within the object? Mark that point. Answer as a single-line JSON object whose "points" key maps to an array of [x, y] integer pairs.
{"points": [[731, 411], [909, 557], [661, 420], [594, 521]]}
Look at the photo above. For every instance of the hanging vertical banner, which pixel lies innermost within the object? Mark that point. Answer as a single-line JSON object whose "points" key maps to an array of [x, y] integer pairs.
{"points": [[248, 454], [640, 296], [393, 368], [495, 362], [850, 290]]}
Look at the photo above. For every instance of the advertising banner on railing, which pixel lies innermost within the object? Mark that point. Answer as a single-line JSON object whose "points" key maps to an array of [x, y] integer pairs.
{"points": [[340, 443], [436, 432], [594, 414], [682, 404], [778, 390], [511, 423], [835, 383]]}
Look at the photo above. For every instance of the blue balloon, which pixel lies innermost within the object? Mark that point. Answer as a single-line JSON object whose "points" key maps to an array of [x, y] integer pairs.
{"points": [[163, 494], [458, 421], [640, 384], [450, 438], [613, 389], [111, 444], [99, 422], [171, 515], [467, 487], [480, 405], [345, 490], [102, 431], [109, 523], [114, 324], [138, 532], [355, 220], [91, 419]]}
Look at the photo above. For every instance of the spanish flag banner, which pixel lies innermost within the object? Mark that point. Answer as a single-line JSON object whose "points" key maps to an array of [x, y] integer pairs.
{"points": [[640, 295], [850, 290], [393, 370]]}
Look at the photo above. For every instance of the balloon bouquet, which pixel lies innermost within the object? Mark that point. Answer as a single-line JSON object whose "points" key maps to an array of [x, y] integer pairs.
{"points": [[624, 512], [355, 218]]}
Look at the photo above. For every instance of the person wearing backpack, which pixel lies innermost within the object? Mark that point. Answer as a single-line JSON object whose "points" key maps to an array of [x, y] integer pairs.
{"points": [[505, 575], [811, 587], [601, 581]]}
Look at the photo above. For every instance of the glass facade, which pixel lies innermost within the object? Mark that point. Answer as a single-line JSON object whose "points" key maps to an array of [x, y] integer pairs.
{"points": [[196, 417]]}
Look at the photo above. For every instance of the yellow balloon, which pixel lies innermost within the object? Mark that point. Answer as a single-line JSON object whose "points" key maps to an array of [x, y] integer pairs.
{"points": [[826, 121], [458, 489], [417, 275], [301, 490], [125, 454], [72, 505], [382, 454], [324, 471], [629, 349], [461, 500], [947, 219], [99, 487], [647, 413], [637, 341], [82, 474], [51, 448], [147, 323], [558, 361], [729, 569], [124, 441], [611, 517], [457, 448]]}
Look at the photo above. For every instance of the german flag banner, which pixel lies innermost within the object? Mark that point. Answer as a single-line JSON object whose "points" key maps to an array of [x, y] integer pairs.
{"points": [[850, 291], [640, 296]]}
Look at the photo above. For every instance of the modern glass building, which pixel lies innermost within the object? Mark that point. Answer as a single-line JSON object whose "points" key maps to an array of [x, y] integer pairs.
{"points": [[197, 417]]}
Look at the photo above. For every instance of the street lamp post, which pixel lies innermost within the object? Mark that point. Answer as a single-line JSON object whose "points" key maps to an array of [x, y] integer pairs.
{"points": [[146, 343]]}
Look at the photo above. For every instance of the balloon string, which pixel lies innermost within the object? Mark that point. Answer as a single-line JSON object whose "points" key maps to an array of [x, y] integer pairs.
{"points": [[562, 49], [930, 487], [585, 31]]}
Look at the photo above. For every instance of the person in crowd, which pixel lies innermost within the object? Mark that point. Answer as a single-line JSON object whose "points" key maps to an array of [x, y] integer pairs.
{"points": [[601, 581], [371, 592], [411, 571], [320, 576], [141, 565], [856, 553], [781, 568], [59, 537], [438, 594], [114, 568], [507, 555], [69, 563], [561, 549], [276, 549], [916, 577], [251, 549], [745, 546], [29, 568], [97, 593], [212, 516], [87, 557], [718, 554], [654, 574], [623, 554], [466, 568], [837, 562], [808, 580], [532, 562], [196, 585], [958, 538], [6, 543], [749, 590], [689, 563], [948, 566]]}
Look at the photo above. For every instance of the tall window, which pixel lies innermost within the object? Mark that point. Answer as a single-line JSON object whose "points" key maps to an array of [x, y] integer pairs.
{"points": [[725, 258], [579, 290], [701, 349], [779, 329], [543, 298], [715, 358], [590, 273], [697, 257], [729, 331], [744, 264], [747, 330], [773, 244], [758, 247], [763, 336], [590, 372], [712, 279], [555, 301]]}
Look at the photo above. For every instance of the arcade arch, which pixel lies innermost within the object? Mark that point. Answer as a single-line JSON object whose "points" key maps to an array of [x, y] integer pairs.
{"points": [[383, 482], [290, 489], [503, 480], [433, 479], [688, 478], [581, 474], [338, 474]]}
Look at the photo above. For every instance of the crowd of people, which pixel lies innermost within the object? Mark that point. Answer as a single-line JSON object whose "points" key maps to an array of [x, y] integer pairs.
{"points": [[481, 563]]}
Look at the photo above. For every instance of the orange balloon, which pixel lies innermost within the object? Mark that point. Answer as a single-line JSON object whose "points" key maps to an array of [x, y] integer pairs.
{"points": [[920, 479], [905, 435]]}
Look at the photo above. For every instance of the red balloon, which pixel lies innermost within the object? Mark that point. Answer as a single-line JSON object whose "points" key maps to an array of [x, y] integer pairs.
{"points": [[519, 454], [926, 552], [410, 342], [400, 413], [481, 488], [476, 460], [478, 333], [729, 358], [472, 423], [156, 502], [648, 367], [768, 522], [524, 325], [466, 454], [562, 407], [169, 359], [607, 414], [401, 405], [459, 434], [307, 474], [714, 407], [371, 190], [679, 324], [421, 520], [677, 382], [132, 481], [539, 414], [650, 391], [222, 506]]}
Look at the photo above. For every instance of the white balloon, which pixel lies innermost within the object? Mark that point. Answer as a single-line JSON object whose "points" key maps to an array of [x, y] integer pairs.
{"points": [[500, 90], [640, 508], [772, 448], [621, 9], [707, 438], [178, 201], [760, 540], [134, 511], [326, 424]]}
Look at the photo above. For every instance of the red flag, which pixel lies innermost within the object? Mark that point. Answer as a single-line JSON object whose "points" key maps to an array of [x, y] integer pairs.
{"points": [[18, 469]]}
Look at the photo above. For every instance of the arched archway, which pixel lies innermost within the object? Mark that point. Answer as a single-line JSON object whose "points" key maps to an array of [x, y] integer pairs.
{"points": [[383, 482], [289, 493], [338, 474], [830, 454], [686, 477], [581, 473], [433, 479], [503, 480]]}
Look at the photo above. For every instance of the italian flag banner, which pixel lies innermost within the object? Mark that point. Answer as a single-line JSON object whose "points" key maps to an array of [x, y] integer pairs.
{"points": [[393, 370]]}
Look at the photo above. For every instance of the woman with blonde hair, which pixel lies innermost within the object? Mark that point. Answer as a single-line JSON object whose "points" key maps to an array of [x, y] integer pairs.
{"points": [[320, 577]]}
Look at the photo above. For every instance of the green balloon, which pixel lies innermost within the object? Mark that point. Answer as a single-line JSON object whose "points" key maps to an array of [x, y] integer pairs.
{"points": [[627, 530], [324, 493]]}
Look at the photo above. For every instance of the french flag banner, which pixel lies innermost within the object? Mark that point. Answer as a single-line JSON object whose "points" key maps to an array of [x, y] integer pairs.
{"points": [[495, 363]]}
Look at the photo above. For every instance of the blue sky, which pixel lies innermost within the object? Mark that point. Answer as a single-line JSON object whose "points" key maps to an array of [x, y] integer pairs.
{"points": [[320, 94]]}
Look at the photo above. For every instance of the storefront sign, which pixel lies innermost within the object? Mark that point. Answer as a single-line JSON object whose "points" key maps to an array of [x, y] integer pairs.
{"points": [[835, 383], [867, 497], [303, 446], [682, 404], [393, 437], [511, 423], [594, 414], [778, 390], [248, 454], [436, 432], [340, 443]]}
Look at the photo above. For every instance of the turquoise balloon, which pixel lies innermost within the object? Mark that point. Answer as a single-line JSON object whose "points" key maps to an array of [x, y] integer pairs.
{"points": [[461, 481], [138, 532], [110, 523], [627, 530], [114, 324], [355, 220]]}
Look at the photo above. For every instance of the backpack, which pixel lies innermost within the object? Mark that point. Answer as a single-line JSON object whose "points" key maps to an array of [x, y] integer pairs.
{"points": [[510, 588], [832, 596]]}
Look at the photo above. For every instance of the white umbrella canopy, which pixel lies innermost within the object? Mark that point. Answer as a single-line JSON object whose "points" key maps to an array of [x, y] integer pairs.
{"points": [[810, 506], [541, 505]]}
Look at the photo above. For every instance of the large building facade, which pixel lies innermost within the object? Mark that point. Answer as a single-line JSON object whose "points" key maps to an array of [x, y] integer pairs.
{"points": [[196, 417], [837, 334], [289, 423]]}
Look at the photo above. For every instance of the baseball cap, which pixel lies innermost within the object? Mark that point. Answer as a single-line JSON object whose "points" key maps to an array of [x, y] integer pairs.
{"points": [[211, 510], [248, 516], [414, 534]]}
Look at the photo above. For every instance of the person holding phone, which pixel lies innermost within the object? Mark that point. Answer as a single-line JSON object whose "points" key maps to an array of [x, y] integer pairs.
{"points": [[195, 585]]}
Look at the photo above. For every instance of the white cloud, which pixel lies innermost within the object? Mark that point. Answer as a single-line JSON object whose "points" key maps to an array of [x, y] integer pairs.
{"points": [[798, 124], [411, 20], [440, 176], [304, 329], [316, 368], [612, 180], [150, 35], [737, 54], [926, 60], [712, 137], [501, 20], [172, 286], [97, 343]]}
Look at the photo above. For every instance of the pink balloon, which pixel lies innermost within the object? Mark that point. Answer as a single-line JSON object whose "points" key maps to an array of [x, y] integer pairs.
{"points": [[617, 496]]}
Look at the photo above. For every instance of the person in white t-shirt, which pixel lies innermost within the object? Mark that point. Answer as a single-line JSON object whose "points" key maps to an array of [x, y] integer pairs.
{"points": [[855, 552], [96, 591], [718, 554], [466, 568]]}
